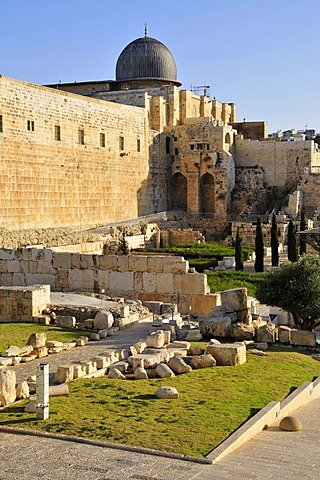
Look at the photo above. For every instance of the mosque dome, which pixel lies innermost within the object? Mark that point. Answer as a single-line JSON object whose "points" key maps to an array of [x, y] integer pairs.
{"points": [[146, 59]]}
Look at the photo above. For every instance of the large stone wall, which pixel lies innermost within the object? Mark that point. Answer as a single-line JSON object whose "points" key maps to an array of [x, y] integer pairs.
{"points": [[48, 182], [141, 277]]}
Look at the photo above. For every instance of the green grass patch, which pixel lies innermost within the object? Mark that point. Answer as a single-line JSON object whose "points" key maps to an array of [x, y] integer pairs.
{"points": [[213, 403], [19, 333], [219, 281]]}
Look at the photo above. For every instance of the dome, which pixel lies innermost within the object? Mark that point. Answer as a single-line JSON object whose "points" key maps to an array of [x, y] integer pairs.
{"points": [[146, 59]]}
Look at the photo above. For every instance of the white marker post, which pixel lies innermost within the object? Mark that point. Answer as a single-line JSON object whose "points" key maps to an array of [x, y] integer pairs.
{"points": [[42, 391]]}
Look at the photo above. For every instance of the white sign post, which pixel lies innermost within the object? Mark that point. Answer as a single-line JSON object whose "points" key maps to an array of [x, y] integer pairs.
{"points": [[42, 391]]}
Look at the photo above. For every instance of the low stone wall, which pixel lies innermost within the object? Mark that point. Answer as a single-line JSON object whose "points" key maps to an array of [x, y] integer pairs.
{"points": [[161, 278], [21, 304]]}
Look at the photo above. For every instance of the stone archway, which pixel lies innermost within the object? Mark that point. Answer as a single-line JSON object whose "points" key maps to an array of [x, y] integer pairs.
{"points": [[178, 192], [207, 193]]}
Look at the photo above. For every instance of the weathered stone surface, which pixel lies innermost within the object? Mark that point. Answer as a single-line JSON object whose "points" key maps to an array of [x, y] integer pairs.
{"points": [[140, 346], [40, 352], [28, 358], [64, 374], [140, 374], [266, 333], [15, 351], [88, 323], [155, 339], [167, 336], [121, 366], [79, 371], [150, 361], [177, 352], [163, 371], [167, 392], [290, 424], [6, 361], [103, 320], [54, 344], [217, 327], [195, 350], [89, 366], [179, 366], [7, 387], [115, 373], [240, 331], [228, 353], [203, 361], [194, 335], [22, 390], [37, 340], [94, 336], [236, 298], [101, 362], [259, 353], [103, 333], [262, 346], [82, 341], [180, 344], [214, 341], [69, 345], [66, 321], [284, 334], [137, 362], [14, 360], [303, 338]]}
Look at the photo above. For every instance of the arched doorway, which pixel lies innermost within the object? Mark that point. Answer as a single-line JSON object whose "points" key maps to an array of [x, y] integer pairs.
{"points": [[207, 193], [178, 192]]}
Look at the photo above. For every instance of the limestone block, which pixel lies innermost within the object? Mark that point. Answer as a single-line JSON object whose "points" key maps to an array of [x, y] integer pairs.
{"points": [[75, 260], [123, 263], [155, 263], [14, 351], [140, 346], [69, 345], [121, 366], [103, 279], [40, 352], [228, 353], [163, 354], [82, 280], [167, 392], [155, 339], [259, 353], [103, 333], [94, 336], [37, 340], [179, 366], [38, 278], [101, 362], [7, 387], [89, 366], [167, 336], [88, 323], [266, 333], [165, 283], [194, 335], [229, 262], [108, 262], [154, 306], [61, 260], [52, 350], [140, 374], [190, 283], [6, 361], [66, 321], [14, 360], [163, 371], [121, 281], [203, 361], [137, 362], [54, 344], [64, 374], [177, 352], [79, 371], [103, 320], [150, 361], [42, 319], [115, 373], [303, 338], [181, 344], [138, 281], [244, 316], [149, 282], [216, 327], [82, 341], [28, 358], [19, 279], [124, 311], [22, 390], [290, 424], [284, 334], [13, 266], [240, 331], [6, 254], [137, 263], [31, 406], [175, 265], [195, 350], [204, 304], [86, 262], [262, 346], [236, 298]]}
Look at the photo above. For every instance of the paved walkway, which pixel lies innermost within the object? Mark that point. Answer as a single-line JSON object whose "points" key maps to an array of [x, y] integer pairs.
{"points": [[271, 454]]}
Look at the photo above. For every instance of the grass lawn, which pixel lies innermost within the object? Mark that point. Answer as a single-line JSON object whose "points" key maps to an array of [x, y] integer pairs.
{"points": [[19, 333], [213, 403], [219, 281]]}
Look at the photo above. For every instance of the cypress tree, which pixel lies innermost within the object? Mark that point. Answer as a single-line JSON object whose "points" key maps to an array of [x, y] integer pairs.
{"points": [[123, 247], [303, 227], [274, 242], [258, 265], [292, 243], [239, 251]]}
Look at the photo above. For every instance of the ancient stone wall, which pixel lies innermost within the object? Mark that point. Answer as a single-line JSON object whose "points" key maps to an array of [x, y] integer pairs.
{"points": [[251, 130], [72, 160], [20, 304], [248, 232], [144, 277]]}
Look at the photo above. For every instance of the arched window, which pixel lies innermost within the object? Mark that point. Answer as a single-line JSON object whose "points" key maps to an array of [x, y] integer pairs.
{"points": [[227, 138], [178, 192], [207, 193]]}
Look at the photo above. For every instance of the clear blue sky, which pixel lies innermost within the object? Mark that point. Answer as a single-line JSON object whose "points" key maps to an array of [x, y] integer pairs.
{"points": [[261, 55]]}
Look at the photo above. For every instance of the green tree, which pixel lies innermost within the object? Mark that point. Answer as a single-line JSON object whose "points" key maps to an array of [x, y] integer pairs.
{"points": [[292, 243], [303, 227], [123, 247], [239, 251], [295, 288], [274, 242], [259, 248]]}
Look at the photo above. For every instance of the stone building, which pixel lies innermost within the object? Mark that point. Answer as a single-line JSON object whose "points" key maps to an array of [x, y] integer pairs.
{"points": [[87, 153]]}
